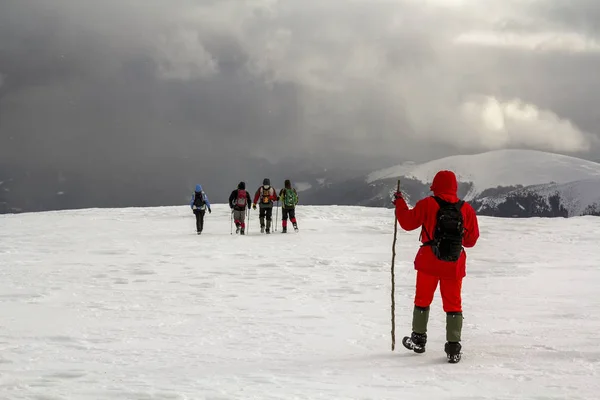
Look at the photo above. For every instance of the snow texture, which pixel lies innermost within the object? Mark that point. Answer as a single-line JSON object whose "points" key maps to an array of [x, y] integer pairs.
{"points": [[132, 304], [499, 168]]}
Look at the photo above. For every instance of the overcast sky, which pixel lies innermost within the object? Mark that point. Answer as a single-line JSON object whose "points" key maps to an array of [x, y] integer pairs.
{"points": [[92, 84]]}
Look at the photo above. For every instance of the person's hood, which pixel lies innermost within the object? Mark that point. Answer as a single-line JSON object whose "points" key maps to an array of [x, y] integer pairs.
{"points": [[198, 188], [445, 185]]}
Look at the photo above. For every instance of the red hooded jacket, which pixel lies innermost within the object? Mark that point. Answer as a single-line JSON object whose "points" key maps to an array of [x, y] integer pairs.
{"points": [[445, 186]]}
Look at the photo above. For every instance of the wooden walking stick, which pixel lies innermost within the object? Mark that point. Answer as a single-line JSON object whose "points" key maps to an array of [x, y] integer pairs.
{"points": [[393, 278]]}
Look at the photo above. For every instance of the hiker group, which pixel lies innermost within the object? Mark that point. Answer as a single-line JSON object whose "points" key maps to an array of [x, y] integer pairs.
{"points": [[240, 202], [447, 224]]}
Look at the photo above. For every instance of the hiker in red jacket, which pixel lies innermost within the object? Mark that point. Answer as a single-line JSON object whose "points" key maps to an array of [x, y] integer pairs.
{"points": [[239, 200], [439, 260]]}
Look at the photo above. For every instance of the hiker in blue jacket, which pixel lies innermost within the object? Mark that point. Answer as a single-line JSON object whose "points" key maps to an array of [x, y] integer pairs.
{"points": [[199, 204]]}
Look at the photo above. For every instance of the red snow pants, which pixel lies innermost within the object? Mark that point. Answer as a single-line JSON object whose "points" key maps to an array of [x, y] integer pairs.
{"points": [[450, 290]]}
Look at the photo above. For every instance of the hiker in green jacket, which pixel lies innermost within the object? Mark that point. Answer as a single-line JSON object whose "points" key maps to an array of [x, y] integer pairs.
{"points": [[288, 198]]}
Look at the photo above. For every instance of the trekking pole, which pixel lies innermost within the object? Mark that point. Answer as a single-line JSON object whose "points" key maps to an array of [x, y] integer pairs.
{"points": [[231, 223], [393, 278], [276, 215]]}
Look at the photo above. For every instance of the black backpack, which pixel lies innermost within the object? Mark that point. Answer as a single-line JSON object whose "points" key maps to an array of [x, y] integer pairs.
{"points": [[449, 230], [199, 200]]}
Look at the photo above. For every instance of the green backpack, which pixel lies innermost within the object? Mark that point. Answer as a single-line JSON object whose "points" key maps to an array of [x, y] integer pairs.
{"points": [[290, 198]]}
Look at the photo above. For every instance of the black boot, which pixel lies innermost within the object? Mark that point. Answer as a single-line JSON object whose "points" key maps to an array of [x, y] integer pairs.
{"points": [[452, 350], [416, 342]]}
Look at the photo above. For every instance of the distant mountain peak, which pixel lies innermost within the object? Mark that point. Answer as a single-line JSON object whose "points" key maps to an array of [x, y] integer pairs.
{"points": [[507, 167], [506, 183]]}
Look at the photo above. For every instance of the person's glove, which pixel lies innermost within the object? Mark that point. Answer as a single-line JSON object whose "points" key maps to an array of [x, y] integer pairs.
{"points": [[209, 211], [254, 206], [397, 196]]}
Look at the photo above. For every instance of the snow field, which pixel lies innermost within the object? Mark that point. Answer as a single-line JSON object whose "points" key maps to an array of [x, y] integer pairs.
{"points": [[132, 304]]}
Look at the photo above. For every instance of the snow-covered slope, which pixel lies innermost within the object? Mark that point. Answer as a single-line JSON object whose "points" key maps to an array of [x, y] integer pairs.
{"points": [[131, 304], [577, 198], [499, 168]]}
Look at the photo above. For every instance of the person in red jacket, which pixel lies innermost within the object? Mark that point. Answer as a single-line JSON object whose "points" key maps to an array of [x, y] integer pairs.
{"points": [[435, 262]]}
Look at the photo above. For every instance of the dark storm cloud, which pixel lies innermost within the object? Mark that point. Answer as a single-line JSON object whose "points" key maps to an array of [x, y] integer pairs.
{"points": [[74, 90], [100, 86]]}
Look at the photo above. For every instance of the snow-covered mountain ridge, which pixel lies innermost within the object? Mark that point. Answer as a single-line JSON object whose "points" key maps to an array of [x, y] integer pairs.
{"points": [[567, 199], [503, 183], [498, 168]]}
